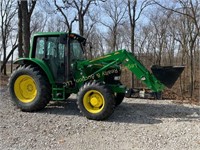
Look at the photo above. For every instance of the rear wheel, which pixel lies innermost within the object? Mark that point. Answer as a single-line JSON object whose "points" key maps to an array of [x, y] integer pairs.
{"points": [[95, 101], [29, 89]]}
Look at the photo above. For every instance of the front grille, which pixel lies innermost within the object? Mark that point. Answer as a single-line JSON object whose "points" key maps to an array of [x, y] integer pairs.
{"points": [[110, 74]]}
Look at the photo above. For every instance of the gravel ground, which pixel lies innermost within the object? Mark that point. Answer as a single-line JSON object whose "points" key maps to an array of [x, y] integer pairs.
{"points": [[135, 124]]}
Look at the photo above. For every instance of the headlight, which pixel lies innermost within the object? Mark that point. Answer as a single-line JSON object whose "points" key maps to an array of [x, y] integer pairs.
{"points": [[117, 78]]}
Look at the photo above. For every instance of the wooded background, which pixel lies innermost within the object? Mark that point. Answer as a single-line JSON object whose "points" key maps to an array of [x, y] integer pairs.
{"points": [[158, 32]]}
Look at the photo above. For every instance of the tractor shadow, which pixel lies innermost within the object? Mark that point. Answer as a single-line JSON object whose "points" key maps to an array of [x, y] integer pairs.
{"points": [[67, 107], [150, 113], [139, 113]]}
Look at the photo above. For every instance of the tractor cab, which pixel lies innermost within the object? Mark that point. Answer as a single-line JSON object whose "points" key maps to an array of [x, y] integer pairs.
{"points": [[59, 51]]}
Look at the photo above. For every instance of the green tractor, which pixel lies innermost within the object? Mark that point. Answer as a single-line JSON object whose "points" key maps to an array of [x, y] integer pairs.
{"points": [[56, 68]]}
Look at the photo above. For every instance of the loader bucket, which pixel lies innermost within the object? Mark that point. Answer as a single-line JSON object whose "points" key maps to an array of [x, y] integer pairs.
{"points": [[167, 75]]}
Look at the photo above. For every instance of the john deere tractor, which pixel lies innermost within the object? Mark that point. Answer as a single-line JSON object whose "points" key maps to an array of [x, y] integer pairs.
{"points": [[56, 68]]}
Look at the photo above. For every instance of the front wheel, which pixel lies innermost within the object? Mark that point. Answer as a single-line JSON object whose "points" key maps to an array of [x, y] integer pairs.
{"points": [[119, 98], [95, 101]]}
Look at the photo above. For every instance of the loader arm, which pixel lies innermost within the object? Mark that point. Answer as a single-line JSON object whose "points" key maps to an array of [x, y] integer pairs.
{"points": [[129, 61]]}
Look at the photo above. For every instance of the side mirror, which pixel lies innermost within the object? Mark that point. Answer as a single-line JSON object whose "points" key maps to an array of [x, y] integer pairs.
{"points": [[63, 39]]}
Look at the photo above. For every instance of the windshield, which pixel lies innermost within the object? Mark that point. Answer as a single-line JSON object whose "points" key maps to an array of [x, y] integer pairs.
{"points": [[76, 50]]}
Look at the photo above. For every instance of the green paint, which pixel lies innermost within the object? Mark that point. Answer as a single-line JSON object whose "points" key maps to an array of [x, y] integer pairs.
{"points": [[38, 63], [85, 70]]}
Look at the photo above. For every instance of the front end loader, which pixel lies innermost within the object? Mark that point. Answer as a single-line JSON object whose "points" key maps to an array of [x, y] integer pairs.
{"points": [[56, 68]]}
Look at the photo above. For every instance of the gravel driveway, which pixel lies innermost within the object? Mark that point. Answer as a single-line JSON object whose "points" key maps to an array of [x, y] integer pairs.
{"points": [[135, 124]]}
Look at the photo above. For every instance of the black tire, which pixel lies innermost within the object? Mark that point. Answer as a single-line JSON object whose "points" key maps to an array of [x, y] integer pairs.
{"points": [[158, 95], [33, 92], [67, 96], [101, 93], [119, 98]]}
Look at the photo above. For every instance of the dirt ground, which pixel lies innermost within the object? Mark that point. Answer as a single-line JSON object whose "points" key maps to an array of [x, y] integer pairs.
{"points": [[137, 124], [3, 80]]}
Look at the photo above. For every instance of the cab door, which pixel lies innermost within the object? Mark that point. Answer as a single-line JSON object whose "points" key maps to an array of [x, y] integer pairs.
{"points": [[51, 52]]}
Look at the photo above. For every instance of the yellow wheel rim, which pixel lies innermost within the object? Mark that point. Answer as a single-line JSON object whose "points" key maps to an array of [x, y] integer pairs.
{"points": [[25, 88], [93, 101]]}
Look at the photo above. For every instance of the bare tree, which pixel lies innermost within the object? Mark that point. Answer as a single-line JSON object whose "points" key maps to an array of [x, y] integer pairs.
{"points": [[38, 22], [190, 9], [95, 46], [82, 7], [78, 8], [115, 10], [64, 10], [7, 13], [26, 11], [92, 18], [133, 18], [58, 25], [20, 37]]}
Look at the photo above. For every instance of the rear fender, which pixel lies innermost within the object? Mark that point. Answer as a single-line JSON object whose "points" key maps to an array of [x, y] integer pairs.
{"points": [[39, 63]]}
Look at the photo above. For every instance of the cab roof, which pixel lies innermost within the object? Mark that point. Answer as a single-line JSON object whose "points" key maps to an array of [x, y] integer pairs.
{"points": [[73, 35], [48, 33]]}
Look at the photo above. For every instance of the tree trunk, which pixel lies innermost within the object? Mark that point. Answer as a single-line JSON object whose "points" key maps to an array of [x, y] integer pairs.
{"points": [[81, 24], [191, 75], [25, 27], [26, 36], [191, 69], [4, 56], [20, 50], [132, 50], [133, 39], [114, 38]]}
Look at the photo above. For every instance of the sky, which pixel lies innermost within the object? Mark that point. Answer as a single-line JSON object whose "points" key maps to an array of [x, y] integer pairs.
{"points": [[43, 7]]}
